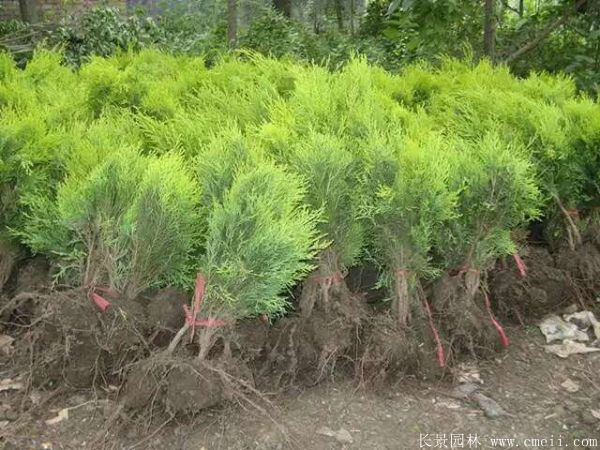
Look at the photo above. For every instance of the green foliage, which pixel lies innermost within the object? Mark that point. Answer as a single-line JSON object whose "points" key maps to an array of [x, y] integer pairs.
{"points": [[426, 29], [497, 194], [332, 173], [142, 168], [408, 209], [221, 160], [272, 34], [260, 241], [572, 48], [101, 31], [131, 223]]}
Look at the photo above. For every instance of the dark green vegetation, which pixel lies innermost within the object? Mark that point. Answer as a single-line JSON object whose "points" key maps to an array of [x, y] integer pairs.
{"points": [[540, 35]]}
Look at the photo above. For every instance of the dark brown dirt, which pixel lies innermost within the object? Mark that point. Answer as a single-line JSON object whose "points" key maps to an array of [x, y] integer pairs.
{"points": [[165, 316], [8, 258], [33, 276], [389, 350], [525, 381], [583, 264], [464, 323], [308, 349], [545, 289], [63, 343], [165, 309], [182, 385], [77, 345]]}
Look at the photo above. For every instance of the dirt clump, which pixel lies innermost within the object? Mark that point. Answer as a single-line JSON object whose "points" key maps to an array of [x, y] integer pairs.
{"points": [[81, 346], [165, 314], [466, 326], [545, 288], [33, 276], [307, 350], [8, 258], [389, 349], [184, 385], [582, 264], [165, 308], [249, 339]]}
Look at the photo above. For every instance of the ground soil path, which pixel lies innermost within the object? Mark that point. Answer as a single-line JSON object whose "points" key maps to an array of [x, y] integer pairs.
{"points": [[525, 381]]}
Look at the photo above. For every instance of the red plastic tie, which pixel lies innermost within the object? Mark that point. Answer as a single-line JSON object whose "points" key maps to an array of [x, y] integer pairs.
{"points": [[402, 272], [335, 278], [573, 213], [520, 265], [100, 301], [441, 356], [499, 329], [191, 317]]}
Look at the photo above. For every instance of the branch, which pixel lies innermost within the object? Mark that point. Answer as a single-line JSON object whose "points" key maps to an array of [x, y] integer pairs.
{"points": [[545, 32], [510, 8]]}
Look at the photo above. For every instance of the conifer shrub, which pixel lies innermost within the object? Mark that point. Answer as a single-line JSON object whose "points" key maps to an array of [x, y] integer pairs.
{"points": [[129, 225], [497, 194], [332, 173], [537, 113], [406, 214], [407, 198], [260, 240]]}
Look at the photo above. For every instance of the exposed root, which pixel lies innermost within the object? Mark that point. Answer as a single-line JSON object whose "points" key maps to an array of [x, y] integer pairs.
{"points": [[394, 347], [186, 385], [8, 257], [324, 287], [573, 234], [467, 323]]}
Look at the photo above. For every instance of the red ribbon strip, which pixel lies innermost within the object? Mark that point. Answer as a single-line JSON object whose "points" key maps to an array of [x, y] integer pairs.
{"points": [[520, 265], [100, 301], [335, 278], [191, 316], [499, 329], [441, 357]]}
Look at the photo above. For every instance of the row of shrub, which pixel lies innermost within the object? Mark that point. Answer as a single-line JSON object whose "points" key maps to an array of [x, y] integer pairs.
{"points": [[142, 169]]}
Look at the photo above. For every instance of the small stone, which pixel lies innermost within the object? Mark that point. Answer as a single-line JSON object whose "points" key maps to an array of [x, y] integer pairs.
{"points": [[11, 415], [588, 418], [343, 436], [35, 397], [571, 421], [326, 431], [570, 386], [571, 406]]}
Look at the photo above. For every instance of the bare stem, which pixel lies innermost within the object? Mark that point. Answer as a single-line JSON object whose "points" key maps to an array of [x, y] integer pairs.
{"points": [[177, 338]]}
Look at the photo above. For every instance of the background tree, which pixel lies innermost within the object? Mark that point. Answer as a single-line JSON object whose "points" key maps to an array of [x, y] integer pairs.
{"points": [[489, 29], [29, 10]]}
